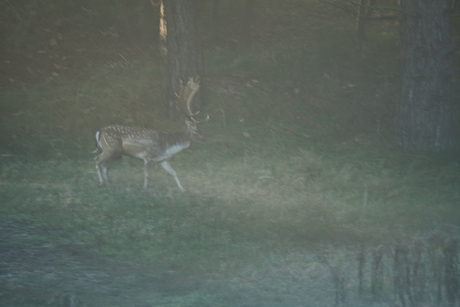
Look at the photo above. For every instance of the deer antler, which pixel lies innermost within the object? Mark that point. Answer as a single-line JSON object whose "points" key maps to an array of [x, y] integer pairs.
{"points": [[194, 85], [201, 121], [186, 95]]}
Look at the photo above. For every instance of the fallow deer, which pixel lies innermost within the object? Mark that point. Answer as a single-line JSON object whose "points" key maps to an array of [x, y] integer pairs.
{"points": [[148, 144]]}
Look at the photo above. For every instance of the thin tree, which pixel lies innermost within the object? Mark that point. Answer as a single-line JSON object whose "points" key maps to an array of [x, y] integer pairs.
{"points": [[247, 21], [425, 104], [365, 13], [215, 19], [364, 10], [426, 62], [181, 50]]}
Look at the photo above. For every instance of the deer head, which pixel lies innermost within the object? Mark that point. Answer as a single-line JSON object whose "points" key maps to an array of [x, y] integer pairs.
{"points": [[184, 99]]}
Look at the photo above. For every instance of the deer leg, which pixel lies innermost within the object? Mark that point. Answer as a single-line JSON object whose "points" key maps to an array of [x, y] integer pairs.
{"points": [[98, 169], [105, 170], [146, 172], [105, 164], [169, 169], [99, 174]]}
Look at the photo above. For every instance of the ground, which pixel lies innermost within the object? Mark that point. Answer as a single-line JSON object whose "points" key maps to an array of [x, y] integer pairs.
{"points": [[36, 271]]}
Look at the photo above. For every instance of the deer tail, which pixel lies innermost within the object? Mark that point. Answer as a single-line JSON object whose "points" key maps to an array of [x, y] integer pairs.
{"points": [[98, 146]]}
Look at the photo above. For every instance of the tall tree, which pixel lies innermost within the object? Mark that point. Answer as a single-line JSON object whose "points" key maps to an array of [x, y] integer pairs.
{"points": [[246, 23], [364, 9], [215, 19], [425, 104], [181, 50]]}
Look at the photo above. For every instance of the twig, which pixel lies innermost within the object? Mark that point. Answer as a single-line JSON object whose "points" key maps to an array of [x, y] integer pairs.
{"points": [[123, 58], [295, 132], [14, 10], [223, 115], [141, 51]]}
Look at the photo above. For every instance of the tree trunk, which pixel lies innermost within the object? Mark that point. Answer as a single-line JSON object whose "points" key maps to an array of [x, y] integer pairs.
{"points": [[181, 50], [360, 22], [425, 104], [363, 10], [216, 22], [246, 23]]}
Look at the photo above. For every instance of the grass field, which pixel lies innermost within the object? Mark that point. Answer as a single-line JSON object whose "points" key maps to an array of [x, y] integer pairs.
{"points": [[298, 181]]}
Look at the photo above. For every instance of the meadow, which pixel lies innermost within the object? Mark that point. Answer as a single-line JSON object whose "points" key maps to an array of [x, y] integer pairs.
{"points": [[298, 198]]}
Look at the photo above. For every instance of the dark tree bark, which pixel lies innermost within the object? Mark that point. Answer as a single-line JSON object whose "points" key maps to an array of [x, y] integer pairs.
{"points": [[181, 50], [216, 22], [363, 10], [360, 21], [425, 104], [246, 23]]}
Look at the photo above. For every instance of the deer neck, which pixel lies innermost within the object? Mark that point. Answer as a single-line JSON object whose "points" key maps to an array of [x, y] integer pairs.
{"points": [[180, 138]]}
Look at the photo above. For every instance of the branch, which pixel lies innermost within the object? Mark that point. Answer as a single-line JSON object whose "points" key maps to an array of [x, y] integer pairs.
{"points": [[14, 10]]}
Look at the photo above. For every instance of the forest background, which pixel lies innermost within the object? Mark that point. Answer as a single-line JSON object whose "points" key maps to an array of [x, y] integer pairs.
{"points": [[300, 196]]}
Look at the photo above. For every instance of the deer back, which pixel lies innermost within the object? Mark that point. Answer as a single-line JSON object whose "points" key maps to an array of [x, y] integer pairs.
{"points": [[143, 143]]}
